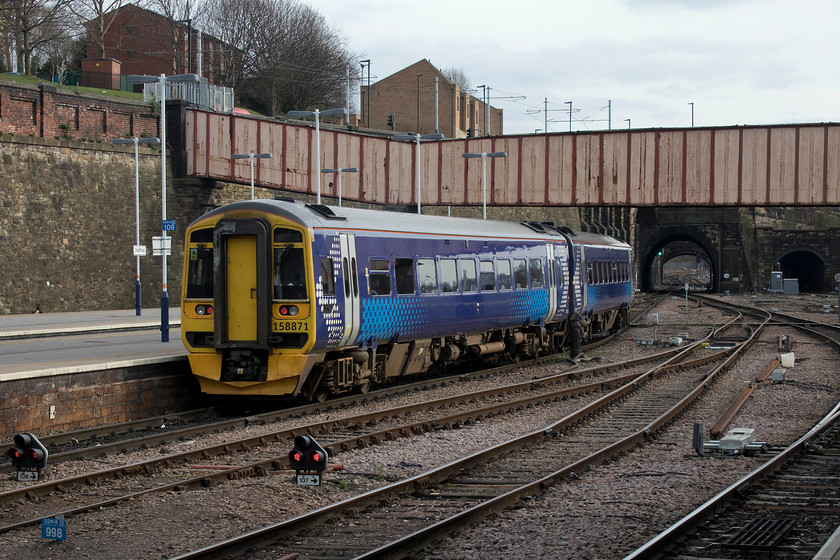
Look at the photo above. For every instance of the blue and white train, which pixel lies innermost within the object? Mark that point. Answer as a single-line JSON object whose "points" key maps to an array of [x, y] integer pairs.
{"points": [[282, 298]]}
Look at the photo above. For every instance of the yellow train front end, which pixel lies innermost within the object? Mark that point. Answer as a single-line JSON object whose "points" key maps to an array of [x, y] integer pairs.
{"points": [[247, 317]]}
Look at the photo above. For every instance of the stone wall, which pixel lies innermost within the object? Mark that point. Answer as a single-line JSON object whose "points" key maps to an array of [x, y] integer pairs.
{"points": [[67, 226]]}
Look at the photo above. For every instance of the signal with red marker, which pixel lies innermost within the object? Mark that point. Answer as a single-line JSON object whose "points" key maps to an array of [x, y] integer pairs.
{"points": [[308, 459]]}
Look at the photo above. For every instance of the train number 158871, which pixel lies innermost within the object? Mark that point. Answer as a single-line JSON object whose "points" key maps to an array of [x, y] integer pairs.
{"points": [[293, 326]]}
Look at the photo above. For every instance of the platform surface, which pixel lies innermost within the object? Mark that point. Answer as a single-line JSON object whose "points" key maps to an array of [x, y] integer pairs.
{"points": [[43, 344]]}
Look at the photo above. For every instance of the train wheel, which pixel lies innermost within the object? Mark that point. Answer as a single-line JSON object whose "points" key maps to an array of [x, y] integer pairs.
{"points": [[364, 386], [320, 396]]}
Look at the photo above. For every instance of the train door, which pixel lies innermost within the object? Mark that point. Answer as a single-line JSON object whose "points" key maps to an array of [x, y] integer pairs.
{"points": [[552, 282], [241, 284], [349, 271], [579, 283]]}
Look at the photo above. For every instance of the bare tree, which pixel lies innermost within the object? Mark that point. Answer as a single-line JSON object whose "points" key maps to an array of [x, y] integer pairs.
{"points": [[97, 16], [459, 76], [183, 16], [238, 24], [54, 57], [287, 57], [32, 24]]}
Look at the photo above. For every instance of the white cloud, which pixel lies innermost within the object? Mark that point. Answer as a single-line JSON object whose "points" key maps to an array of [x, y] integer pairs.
{"points": [[739, 61]]}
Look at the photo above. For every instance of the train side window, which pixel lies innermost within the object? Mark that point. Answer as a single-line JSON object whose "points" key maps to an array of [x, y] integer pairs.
{"points": [[200, 273], [536, 268], [327, 276], [520, 273], [427, 275], [283, 235], [404, 276], [346, 273], [503, 267], [354, 268], [448, 276], [590, 274], [615, 277], [469, 280], [487, 276], [289, 273], [380, 278]]}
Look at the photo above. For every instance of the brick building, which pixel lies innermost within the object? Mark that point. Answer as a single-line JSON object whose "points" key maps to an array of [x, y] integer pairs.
{"points": [[409, 95], [140, 41]]}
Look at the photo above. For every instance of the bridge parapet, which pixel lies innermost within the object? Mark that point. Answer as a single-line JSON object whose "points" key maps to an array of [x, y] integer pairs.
{"points": [[782, 165]]}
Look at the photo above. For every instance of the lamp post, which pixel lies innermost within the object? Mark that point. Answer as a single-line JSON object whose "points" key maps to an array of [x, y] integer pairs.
{"points": [[165, 226], [364, 63], [138, 251], [251, 157], [316, 113], [692, 113], [484, 156], [340, 170], [417, 138], [569, 103], [628, 123]]}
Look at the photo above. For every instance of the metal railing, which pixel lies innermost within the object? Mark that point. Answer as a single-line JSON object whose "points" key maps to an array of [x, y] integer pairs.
{"points": [[202, 94]]}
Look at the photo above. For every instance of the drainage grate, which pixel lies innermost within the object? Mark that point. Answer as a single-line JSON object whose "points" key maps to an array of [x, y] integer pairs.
{"points": [[759, 534]]}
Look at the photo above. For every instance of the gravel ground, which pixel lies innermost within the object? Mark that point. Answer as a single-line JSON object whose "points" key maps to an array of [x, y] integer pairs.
{"points": [[606, 513]]}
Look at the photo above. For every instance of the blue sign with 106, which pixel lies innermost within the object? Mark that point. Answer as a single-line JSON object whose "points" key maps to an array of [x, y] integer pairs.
{"points": [[55, 529]]}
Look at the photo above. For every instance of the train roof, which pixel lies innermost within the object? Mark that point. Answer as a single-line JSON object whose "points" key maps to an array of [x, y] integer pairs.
{"points": [[320, 216]]}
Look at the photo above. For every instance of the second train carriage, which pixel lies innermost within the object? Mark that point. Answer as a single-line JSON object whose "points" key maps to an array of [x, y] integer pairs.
{"points": [[285, 298]]}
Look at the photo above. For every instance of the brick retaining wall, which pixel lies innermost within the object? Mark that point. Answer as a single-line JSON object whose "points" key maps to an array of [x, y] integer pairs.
{"points": [[47, 112], [96, 398]]}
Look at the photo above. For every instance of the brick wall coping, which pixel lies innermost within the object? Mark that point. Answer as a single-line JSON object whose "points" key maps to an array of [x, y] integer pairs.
{"points": [[88, 368]]}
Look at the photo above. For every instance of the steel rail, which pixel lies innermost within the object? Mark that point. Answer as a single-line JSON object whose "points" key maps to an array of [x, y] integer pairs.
{"points": [[265, 466], [321, 426], [270, 534], [96, 448], [662, 541]]}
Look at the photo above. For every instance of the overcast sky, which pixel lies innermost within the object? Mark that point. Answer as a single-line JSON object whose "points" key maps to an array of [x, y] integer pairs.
{"points": [[738, 61]]}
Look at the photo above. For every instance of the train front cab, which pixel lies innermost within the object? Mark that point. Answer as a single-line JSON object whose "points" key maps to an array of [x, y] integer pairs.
{"points": [[247, 319]]}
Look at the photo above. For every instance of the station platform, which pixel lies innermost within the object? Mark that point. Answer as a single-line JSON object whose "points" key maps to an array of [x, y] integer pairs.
{"points": [[35, 325], [47, 344]]}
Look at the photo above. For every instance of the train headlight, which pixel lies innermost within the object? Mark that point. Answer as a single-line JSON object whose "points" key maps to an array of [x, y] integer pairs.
{"points": [[203, 309], [289, 310]]}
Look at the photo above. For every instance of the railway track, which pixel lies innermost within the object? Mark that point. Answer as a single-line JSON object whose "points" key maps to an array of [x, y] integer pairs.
{"points": [[787, 508], [259, 454], [438, 501], [266, 453]]}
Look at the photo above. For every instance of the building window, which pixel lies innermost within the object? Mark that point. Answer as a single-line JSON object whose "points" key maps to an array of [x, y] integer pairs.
{"points": [[131, 30], [132, 55]]}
